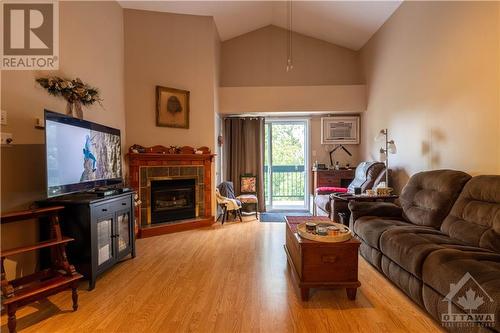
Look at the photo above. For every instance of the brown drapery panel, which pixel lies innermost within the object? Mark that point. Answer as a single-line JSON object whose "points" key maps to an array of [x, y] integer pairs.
{"points": [[244, 152]]}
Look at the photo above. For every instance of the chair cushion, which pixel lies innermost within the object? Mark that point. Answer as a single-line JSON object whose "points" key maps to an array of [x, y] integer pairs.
{"points": [[409, 246], [475, 216], [429, 196], [449, 266], [329, 190], [247, 198], [370, 228]]}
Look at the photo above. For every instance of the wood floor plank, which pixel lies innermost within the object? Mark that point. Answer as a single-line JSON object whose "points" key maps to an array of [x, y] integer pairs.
{"points": [[231, 278]]}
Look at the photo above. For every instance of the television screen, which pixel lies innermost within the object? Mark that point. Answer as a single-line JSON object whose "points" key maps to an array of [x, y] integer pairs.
{"points": [[80, 154]]}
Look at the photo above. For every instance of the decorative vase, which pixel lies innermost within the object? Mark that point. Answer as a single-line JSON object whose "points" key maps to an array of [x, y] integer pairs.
{"points": [[74, 109]]}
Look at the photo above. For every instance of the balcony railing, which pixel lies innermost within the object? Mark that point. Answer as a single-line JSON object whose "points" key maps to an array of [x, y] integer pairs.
{"points": [[288, 182]]}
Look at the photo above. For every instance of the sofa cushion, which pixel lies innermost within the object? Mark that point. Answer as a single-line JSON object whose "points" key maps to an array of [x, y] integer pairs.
{"points": [[449, 266], [475, 216], [373, 256], [429, 196], [247, 198], [409, 246], [370, 228], [411, 285]]}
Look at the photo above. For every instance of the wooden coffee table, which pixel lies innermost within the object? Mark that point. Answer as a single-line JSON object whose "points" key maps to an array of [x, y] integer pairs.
{"points": [[321, 265]]}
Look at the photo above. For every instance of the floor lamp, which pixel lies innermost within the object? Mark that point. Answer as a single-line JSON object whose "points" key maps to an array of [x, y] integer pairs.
{"points": [[390, 148]]}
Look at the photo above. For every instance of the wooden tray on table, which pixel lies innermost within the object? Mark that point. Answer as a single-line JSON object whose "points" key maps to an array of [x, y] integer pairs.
{"points": [[338, 232]]}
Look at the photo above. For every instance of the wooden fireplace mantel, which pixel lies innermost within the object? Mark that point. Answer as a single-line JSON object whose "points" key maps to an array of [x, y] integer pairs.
{"points": [[162, 158], [169, 157]]}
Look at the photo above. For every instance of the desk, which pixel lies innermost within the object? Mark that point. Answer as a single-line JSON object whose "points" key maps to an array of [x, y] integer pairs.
{"points": [[332, 178]]}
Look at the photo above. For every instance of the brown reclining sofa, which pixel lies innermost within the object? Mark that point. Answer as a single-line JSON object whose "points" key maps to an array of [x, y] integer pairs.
{"points": [[442, 241]]}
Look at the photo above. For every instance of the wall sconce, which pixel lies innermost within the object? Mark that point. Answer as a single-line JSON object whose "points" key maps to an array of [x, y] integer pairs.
{"points": [[390, 148]]}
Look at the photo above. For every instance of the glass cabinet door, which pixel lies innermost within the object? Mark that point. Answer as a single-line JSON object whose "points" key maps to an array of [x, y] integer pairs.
{"points": [[104, 240], [123, 239]]}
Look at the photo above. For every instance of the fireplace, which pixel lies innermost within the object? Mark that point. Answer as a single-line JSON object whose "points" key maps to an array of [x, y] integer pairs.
{"points": [[172, 200], [158, 163]]}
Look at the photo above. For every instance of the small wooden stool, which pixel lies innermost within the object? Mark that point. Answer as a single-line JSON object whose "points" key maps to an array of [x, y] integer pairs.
{"points": [[39, 285]]}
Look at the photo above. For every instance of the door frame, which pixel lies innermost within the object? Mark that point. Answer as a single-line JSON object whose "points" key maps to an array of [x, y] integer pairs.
{"points": [[307, 154]]}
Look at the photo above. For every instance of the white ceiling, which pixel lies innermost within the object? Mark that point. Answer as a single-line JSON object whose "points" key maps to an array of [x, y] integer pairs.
{"points": [[345, 23]]}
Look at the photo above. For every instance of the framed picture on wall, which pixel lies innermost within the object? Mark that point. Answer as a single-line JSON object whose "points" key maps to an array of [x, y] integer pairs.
{"points": [[340, 130], [172, 107]]}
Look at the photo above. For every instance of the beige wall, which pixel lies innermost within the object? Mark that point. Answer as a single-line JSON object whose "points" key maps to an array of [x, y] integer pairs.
{"points": [[258, 58], [177, 51], [88, 51], [325, 77], [91, 48], [432, 74], [341, 98], [170, 50]]}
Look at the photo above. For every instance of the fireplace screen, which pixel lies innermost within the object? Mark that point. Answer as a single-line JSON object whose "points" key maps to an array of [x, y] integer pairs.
{"points": [[172, 200]]}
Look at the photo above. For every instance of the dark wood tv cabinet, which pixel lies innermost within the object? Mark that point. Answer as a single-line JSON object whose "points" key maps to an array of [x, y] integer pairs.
{"points": [[102, 228]]}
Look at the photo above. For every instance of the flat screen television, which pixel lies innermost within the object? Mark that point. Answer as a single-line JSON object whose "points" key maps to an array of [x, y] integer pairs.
{"points": [[80, 155]]}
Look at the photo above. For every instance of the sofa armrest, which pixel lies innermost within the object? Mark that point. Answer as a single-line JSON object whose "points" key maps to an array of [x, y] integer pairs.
{"points": [[382, 209]]}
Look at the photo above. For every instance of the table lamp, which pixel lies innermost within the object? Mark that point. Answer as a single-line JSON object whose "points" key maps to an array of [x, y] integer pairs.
{"points": [[333, 151]]}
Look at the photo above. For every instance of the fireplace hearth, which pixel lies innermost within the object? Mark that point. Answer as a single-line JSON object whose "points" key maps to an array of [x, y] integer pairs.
{"points": [[172, 200]]}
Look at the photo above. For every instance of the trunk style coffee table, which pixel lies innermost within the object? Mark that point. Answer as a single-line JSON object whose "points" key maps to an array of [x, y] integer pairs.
{"points": [[320, 264]]}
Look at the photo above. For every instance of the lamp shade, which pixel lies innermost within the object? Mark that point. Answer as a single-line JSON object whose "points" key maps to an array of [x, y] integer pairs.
{"points": [[392, 147], [381, 135], [382, 155]]}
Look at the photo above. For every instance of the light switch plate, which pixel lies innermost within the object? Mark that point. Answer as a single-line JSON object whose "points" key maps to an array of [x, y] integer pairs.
{"points": [[39, 123], [3, 120], [7, 139]]}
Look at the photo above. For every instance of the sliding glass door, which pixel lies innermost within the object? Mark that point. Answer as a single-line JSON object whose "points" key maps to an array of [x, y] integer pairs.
{"points": [[285, 164]]}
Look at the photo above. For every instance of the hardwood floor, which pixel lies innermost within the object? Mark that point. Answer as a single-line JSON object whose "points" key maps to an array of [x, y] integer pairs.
{"points": [[221, 279]]}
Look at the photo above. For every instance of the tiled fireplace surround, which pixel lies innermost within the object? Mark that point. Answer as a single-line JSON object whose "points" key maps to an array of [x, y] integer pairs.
{"points": [[150, 173], [144, 167]]}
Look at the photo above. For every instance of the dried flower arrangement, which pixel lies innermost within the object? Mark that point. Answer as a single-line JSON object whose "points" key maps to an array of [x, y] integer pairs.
{"points": [[75, 92]]}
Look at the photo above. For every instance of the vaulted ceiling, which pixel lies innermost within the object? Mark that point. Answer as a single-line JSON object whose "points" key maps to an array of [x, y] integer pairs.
{"points": [[345, 23]]}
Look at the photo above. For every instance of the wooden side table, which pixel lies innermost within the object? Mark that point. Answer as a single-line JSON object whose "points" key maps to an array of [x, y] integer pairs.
{"points": [[39, 285], [321, 265]]}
